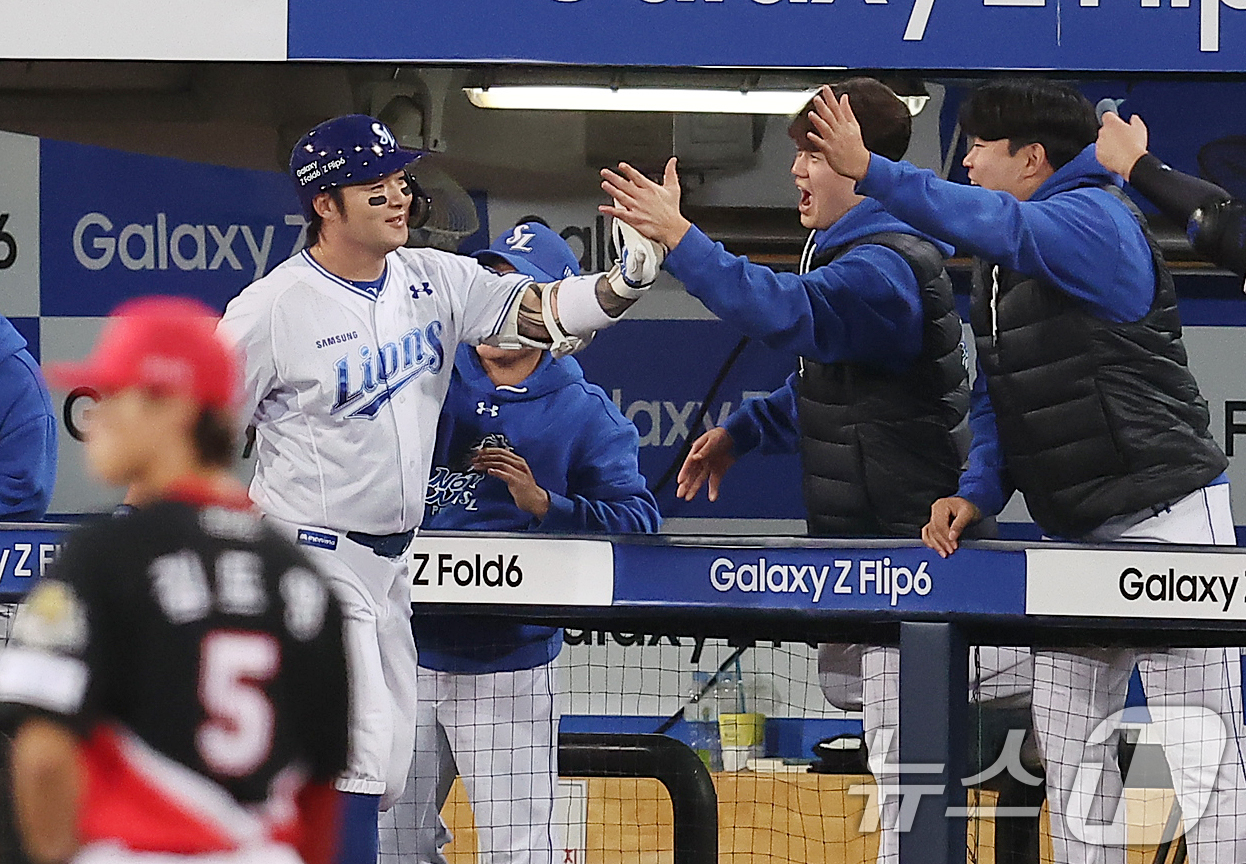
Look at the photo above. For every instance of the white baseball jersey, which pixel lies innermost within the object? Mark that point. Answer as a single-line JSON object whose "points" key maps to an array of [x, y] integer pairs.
{"points": [[346, 385]]}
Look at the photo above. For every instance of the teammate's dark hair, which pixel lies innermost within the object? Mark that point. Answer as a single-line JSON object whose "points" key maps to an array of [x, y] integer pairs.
{"points": [[1031, 111], [315, 223], [885, 121], [213, 437]]}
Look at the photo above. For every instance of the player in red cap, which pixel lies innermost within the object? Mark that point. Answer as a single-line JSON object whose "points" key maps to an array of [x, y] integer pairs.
{"points": [[177, 682]]}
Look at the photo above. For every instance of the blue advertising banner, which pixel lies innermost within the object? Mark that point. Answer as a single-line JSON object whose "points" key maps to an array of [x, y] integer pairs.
{"points": [[912, 579], [25, 554], [1138, 35], [658, 373], [114, 225]]}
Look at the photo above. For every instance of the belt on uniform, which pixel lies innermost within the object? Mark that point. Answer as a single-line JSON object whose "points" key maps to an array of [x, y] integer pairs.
{"points": [[385, 545]]}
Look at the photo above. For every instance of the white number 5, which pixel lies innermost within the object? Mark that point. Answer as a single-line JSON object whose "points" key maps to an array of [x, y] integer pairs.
{"points": [[234, 666]]}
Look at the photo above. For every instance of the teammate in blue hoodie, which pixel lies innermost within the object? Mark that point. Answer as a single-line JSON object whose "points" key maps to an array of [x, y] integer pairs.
{"points": [[27, 432], [524, 444], [875, 406], [1084, 403]]}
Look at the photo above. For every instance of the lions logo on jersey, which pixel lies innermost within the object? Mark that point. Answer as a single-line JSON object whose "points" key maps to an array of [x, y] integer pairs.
{"points": [[448, 488], [387, 369]]}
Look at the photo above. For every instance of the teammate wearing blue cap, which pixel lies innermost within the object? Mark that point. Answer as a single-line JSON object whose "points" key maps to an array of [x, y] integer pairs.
{"points": [[486, 685], [348, 350]]}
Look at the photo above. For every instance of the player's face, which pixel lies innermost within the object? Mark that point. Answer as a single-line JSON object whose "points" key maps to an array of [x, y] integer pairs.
{"points": [[123, 435], [825, 195], [992, 166], [375, 214]]}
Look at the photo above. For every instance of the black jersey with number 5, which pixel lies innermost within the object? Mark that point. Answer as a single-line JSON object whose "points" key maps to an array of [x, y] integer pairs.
{"points": [[195, 652]]}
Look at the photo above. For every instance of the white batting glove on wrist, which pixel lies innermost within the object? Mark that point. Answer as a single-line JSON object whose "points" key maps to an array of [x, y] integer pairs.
{"points": [[640, 258]]}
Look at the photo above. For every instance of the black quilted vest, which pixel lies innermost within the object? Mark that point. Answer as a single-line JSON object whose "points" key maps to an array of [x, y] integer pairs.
{"points": [[878, 447], [1095, 419]]}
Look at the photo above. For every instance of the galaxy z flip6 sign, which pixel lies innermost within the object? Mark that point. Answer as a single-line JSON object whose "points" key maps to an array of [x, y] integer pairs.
{"points": [[1190, 35], [1137, 35]]}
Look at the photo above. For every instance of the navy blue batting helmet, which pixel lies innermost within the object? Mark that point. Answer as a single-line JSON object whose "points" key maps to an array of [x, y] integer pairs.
{"points": [[345, 151]]}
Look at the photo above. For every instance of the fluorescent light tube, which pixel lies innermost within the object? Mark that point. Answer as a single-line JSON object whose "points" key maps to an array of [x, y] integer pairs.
{"points": [[657, 99], [555, 98]]}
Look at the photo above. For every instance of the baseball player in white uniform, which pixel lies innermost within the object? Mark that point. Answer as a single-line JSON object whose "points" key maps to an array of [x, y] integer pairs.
{"points": [[348, 351]]}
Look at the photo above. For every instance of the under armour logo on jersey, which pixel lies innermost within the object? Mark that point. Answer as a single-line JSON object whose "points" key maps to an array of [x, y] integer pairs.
{"points": [[484, 408], [427, 291], [521, 239]]}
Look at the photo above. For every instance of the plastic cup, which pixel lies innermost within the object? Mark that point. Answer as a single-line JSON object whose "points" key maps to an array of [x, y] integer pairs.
{"points": [[743, 737]]}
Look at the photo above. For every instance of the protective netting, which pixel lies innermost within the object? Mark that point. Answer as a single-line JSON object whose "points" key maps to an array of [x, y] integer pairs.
{"points": [[778, 725], [789, 769]]}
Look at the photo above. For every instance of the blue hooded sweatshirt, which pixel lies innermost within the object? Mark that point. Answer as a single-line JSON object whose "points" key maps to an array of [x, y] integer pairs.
{"points": [[580, 449], [27, 432], [1071, 233], [863, 307]]}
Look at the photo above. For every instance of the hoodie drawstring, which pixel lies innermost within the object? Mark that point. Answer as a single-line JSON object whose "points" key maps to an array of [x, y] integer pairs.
{"points": [[994, 305]]}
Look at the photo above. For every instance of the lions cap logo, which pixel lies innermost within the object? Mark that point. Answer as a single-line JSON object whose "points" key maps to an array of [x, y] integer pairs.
{"points": [[521, 239], [382, 132]]}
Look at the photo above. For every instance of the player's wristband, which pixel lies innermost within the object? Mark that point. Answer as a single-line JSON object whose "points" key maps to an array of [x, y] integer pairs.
{"points": [[579, 310]]}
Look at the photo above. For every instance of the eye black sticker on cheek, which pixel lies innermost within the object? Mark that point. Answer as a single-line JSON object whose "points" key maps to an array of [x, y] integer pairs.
{"points": [[377, 200]]}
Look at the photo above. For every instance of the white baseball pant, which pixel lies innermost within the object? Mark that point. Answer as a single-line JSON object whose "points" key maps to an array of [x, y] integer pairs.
{"points": [[375, 594], [867, 678], [1074, 691], [499, 732]]}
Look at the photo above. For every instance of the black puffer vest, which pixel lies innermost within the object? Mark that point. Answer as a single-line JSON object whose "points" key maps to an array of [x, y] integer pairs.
{"points": [[1095, 419], [878, 447]]}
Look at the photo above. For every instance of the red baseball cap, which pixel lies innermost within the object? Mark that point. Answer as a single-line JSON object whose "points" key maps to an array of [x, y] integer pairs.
{"points": [[164, 344]]}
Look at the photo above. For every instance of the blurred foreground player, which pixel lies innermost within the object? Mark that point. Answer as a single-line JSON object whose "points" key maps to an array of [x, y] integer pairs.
{"points": [[1084, 402], [524, 444], [1214, 221], [348, 348], [178, 681]]}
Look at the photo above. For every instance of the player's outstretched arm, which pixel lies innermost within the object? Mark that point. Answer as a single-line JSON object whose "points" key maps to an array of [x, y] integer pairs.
{"points": [[650, 208], [563, 316], [47, 787], [1216, 223], [1120, 145]]}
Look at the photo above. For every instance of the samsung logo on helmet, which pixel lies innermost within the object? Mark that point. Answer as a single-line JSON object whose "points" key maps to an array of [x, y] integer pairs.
{"points": [[97, 243]]}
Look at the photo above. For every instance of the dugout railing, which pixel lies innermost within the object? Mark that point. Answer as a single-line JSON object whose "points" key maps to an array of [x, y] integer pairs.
{"points": [[993, 593]]}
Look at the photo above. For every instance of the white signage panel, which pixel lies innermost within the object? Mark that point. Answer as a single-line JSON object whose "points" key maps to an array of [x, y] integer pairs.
{"points": [[19, 225], [144, 30], [512, 571], [1126, 584]]}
